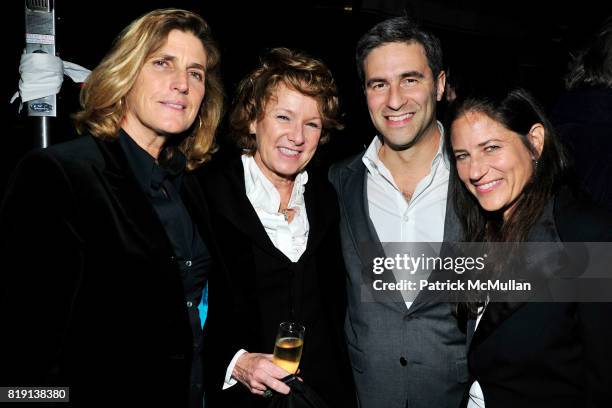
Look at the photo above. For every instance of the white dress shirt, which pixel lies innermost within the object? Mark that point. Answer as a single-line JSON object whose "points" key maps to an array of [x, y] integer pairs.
{"points": [[290, 238], [396, 220]]}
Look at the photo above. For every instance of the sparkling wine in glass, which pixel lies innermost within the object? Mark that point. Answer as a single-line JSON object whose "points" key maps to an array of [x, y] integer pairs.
{"points": [[288, 346]]}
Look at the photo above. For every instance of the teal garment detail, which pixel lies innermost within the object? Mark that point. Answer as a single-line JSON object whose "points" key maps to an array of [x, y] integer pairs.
{"points": [[203, 306]]}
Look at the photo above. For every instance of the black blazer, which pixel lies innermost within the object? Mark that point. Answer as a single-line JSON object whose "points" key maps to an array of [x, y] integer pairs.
{"points": [[255, 287], [549, 354], [91, 295]]}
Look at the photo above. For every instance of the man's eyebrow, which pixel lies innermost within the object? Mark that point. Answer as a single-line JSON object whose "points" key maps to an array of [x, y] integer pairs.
{"points": [[407, 74], [412, 74]]}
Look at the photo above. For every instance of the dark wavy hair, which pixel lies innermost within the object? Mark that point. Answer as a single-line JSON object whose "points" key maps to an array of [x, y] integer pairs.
{"points": [[592, 66], [399, 30], [296, 70], [517, 111]]}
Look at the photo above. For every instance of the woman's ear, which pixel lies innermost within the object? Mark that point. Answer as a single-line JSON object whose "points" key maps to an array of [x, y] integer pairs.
{"points": [[536, 138], [252, 127]]}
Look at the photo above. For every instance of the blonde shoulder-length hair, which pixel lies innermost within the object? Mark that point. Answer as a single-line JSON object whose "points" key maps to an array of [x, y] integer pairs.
{"points": [[103, 95]]}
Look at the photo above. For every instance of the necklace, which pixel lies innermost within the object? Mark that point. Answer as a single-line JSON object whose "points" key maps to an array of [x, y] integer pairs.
{"points": [[285, 212]]}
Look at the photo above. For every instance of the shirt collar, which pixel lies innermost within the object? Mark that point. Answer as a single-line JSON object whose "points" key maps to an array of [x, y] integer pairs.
{"points": [[149, 174], [441, 153], [261, 192], [373, 162]]}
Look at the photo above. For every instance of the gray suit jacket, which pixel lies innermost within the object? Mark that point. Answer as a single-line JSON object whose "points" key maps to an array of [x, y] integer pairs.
{"points": [[400, 357]]}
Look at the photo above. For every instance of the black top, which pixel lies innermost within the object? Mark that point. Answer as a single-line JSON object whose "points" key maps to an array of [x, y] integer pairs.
{"points": [[543, 354], [162, 185]]}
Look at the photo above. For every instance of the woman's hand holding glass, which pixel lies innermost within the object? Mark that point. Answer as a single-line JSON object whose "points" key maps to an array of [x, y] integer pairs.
{"points": [[258, 373]]}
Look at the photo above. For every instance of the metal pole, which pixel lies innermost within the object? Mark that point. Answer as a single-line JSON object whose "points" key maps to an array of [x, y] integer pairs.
{"points": [[40, 38], [45, 131]]}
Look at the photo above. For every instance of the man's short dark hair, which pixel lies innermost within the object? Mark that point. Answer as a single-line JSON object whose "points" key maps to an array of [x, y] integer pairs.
{"points": [[399, 30]]}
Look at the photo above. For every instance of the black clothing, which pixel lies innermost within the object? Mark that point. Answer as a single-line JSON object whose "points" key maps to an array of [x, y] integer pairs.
{"points": [[548, 354], [254, 287], [192, 257], [91, 294]]}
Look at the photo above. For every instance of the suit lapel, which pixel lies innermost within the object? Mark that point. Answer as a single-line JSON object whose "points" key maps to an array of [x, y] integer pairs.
{"points": [[497, 312], [355, 200], [239, 211], [363, 233], [130, 201], [452, 233], [194, 201], [453, 230]]}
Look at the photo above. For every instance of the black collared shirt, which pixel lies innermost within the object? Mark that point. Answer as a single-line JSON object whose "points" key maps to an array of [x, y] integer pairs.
{"points": [[162, 186]]}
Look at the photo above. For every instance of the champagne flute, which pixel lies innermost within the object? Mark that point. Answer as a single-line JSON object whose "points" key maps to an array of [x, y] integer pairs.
{"points": [[288, 346]]}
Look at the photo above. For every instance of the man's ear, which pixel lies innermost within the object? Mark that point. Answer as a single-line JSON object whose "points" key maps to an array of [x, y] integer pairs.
{"points": [[441, 84], [536, 138]]}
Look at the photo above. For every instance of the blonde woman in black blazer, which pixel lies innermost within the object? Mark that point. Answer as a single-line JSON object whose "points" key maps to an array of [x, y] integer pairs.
{"points": [[103, 265]]}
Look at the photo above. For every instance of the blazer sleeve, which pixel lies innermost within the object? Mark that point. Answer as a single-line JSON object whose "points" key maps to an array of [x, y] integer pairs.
{"points": [[42, 259], [222, 332]]}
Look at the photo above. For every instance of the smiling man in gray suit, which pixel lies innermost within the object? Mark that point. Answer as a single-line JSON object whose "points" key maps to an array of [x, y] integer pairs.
{"points": [[404, 352]]}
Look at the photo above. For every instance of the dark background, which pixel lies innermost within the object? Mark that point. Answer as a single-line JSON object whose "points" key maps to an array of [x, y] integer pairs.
{"points": [[522, 42]]}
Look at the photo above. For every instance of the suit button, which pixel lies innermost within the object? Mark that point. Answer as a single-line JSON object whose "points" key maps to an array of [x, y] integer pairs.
{"points": [[403, 362]]}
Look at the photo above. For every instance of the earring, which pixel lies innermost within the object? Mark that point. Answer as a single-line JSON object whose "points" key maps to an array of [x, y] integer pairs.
{"points": [[112, 109]]}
